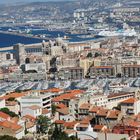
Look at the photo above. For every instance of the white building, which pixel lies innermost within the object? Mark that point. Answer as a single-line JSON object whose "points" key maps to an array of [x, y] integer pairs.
{"points": [[39, 67], [99, 100], [40, 98], [37, 98], [33, 110], [2, 103], [130, 106]]}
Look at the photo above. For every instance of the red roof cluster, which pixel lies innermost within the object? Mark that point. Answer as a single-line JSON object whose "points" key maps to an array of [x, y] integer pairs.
{"points": [[10, 125], [71, 94], [4, 115]]}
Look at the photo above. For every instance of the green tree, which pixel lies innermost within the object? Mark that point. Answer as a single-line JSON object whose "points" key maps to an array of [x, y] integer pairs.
{"points": [[11, 99], [58, 134], [89, 55], [43, 124], [53, 108], [6, 137], [7, 111], [97, 54]]}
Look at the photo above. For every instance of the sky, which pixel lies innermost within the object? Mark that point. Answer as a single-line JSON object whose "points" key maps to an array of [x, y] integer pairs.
{"points": [[20, 1]]}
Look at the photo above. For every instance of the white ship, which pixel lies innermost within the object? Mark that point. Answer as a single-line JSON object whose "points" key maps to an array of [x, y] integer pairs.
{"points": [[122, 32]]}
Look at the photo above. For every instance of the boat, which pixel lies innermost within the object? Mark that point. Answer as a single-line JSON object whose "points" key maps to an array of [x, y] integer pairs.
{"points": [[120, 32]]}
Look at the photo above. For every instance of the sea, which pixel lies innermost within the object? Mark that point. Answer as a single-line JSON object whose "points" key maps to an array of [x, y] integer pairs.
{"points": [[8, 39]]}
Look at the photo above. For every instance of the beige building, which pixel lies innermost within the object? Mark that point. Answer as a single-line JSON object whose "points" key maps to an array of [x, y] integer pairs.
{"points": [[72, 73], [13, 106], [97, 62], [85, 64], [130, 106], [75, 103], [131, 70], [102, 71], [11, 129]]}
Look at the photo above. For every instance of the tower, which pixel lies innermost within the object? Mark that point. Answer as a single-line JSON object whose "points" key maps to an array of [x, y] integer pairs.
{"points": [[46, 47], [19, 53]]}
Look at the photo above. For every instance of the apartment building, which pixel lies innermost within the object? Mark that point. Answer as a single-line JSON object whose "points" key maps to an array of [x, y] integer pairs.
{"points": [[131, 70], [115, 99], [102, 71], [33, 110], [130, 106], [40, 98], [71, 73]]}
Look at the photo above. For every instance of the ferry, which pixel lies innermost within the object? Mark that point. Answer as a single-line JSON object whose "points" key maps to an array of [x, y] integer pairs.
{"points": [[122, 32]]}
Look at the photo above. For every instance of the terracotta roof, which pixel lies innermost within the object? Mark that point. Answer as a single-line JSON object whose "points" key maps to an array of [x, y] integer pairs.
{"points": [[98, 127], [53, 90], [137, 117], [13, 95], [59, 121], [29, 117], [129, 101], [34, 107], [29, 124], [86, 120], [10, 125], [85, 106], [113, 114], [94, 109], [14, 119], [45, 111], [70, 124], [102, 112], [67, 96], [82, 125], [63, 111], [134, 124], [61, 105], [4, 115], [69, 131], [76, 91]]}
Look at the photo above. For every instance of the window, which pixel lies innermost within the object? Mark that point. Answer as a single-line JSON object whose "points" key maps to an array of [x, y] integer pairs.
{"points": [[8, 56]]}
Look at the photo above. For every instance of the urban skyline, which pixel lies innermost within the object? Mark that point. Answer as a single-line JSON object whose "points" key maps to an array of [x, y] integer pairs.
{"points": [[70, 70]]}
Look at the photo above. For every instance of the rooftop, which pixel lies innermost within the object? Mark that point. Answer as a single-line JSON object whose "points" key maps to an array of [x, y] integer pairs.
{"points": [[10, 125], [85, 106], [129, 101], [4, 115], [34, 107], [63, 111]]}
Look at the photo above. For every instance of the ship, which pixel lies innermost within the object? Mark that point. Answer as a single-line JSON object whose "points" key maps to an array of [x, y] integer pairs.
{"points": [[120, 32]]}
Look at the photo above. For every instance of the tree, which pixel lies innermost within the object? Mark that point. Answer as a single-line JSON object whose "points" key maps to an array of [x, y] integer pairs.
{"points": [[6, 137], [11, 99], [97, 54], [43, 124], [53, 108], [7, 111], [89, 55], [119, 75], [58, 134]]}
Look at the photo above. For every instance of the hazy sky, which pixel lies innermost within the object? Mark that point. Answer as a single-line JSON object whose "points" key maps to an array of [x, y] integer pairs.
{"points": [[18, 1]]}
